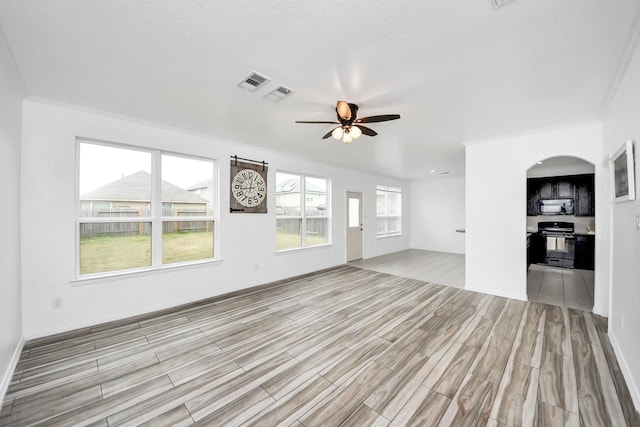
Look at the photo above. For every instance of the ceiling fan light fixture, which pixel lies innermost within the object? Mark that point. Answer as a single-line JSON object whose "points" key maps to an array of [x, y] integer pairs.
{"points": [[346, 120], [344, 110], [355, 132]]}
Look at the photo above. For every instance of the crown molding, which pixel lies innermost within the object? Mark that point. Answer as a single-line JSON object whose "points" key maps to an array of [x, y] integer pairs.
{"points": [[628, 53]]}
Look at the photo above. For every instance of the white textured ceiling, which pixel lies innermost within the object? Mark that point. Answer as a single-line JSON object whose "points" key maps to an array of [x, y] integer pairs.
{"points": [[454, 70]]}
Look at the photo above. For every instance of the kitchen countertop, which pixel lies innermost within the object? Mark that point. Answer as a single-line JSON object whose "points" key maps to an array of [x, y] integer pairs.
{"points": [[580, 233]]}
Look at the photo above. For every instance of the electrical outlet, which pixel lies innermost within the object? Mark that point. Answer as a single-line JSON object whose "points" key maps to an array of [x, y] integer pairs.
{"points": [[57, 302], [638, 222]]}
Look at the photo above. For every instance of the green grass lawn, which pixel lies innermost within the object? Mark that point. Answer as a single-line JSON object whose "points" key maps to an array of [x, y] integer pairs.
{"points": [[112, 253], [287, 240], [181, 247]]}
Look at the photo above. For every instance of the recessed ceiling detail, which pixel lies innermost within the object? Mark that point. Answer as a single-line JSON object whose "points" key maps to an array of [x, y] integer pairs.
{"points": [[253, 81]]}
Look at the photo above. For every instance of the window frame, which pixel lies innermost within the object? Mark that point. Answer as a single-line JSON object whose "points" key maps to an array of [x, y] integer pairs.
{"points": [[155, 218], [303, 214], [388, 189]]}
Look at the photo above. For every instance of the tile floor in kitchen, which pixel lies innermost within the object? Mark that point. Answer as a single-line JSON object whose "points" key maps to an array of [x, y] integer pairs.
{"points": [[566, 287]]}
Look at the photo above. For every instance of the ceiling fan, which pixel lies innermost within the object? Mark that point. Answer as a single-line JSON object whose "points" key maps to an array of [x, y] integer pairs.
{"points": [[350, 126]]}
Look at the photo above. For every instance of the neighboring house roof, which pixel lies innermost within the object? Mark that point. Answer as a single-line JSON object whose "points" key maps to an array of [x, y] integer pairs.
{"points": [[293, 186], [202, 185], [136, 187]]}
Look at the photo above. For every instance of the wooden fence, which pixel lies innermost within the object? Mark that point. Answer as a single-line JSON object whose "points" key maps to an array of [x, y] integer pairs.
{"points": [[88, 229], [292, 225]]}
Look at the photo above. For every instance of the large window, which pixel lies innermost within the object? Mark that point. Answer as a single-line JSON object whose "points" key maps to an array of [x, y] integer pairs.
{"points": [[142, 209], [388, 211], [302, 211]]}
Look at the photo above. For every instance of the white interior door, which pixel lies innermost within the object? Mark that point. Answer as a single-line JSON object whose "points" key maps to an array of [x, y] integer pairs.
{"points": [[354, 226]]}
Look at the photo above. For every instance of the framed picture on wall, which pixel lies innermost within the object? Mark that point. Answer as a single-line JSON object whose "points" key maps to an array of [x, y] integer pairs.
{"points": [[622, 167]]}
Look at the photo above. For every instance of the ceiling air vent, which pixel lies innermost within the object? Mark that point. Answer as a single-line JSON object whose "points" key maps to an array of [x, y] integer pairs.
{"points": [[253, 81], [278, 94]]}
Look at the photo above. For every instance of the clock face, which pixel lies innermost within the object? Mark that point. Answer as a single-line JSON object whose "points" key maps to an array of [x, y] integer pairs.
{"points": [[248, 188]]}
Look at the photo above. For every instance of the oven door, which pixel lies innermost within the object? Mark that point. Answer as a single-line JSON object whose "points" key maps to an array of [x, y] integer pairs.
{"points": [[560, 250]]}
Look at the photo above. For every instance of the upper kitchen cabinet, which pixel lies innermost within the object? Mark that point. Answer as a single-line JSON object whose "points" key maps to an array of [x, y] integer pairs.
{"points": [[554, 188], [533, 190], [547, 190], [584, 195], [564, 189], [579, 188]]}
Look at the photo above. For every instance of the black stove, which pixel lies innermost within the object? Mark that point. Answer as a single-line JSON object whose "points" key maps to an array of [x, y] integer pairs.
{"points": [[559, 241], [556, 228]]}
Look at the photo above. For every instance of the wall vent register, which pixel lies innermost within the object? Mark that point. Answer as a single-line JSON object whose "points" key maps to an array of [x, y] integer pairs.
{"points": [[253, 81], [278, 94]]}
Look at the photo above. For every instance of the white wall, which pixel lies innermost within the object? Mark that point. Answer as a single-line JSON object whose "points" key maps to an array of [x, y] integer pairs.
{"points": [[48, 226], [545, 171], [437, 211], [11, 94], [496, 174], [622, 122]]}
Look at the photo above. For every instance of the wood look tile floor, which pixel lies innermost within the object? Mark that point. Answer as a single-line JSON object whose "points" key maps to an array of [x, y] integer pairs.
{"points": [[442, 268], [345, 346], [572, 288]]}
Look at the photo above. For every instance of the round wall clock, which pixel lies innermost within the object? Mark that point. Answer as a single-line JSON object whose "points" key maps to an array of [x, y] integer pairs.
{"points": [[248, 187]]}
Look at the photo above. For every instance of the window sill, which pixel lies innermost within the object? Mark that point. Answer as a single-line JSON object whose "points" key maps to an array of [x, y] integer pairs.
{"points": [[389, 235], [121, 275], [290, 250]]}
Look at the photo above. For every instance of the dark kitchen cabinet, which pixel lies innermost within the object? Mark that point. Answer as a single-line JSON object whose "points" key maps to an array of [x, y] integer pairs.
{"points": [[584, 196], [585, 251], [564, 189], [548, 190], [536, 249], [533, 190], [552, 188], [580, 188]]}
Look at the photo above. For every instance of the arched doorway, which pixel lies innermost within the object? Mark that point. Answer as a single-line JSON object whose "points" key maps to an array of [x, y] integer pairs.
{"points": [[561, 232]]}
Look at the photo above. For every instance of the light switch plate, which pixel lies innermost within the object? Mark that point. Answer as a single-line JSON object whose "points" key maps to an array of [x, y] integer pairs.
{"points": [[638, 222]]}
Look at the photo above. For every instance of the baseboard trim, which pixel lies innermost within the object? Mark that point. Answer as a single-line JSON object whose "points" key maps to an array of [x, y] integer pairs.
{"points": [[626, 372], [168, 305], [69, 327], [516, 296], [8, 374]]}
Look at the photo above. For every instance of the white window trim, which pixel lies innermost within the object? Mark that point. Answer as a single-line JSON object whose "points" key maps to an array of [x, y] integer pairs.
{"points": [[304, 217], [156, 219], [389, 189]]}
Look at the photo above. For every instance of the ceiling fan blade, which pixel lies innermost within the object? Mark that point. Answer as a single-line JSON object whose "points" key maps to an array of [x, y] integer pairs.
{"points": [[330, 123], [381, 118], [344, 110], [329, 133], [367, 131]]}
